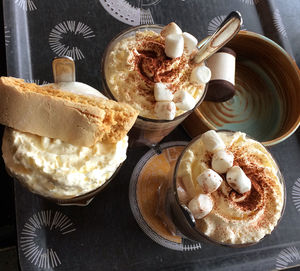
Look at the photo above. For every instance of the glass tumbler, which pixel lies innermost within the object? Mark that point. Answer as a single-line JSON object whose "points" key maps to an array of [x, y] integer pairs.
{"points": [[146, 131]]}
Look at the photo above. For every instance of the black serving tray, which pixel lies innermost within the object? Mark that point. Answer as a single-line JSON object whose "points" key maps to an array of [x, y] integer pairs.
{"points": [[104, 235]]}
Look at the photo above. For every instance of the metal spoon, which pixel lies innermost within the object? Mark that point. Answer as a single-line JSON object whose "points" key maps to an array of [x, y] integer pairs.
{"points": [[224, 33]]}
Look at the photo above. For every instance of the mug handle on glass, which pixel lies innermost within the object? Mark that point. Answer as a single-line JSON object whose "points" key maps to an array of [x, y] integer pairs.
{"points": [[63, 69]]}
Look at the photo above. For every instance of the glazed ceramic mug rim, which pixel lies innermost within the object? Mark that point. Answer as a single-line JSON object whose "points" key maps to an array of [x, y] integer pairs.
{"points": [[103, 61], [294, 127]]}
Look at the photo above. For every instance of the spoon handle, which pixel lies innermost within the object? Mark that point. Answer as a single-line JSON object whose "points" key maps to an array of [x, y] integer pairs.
{"points": [[63, 69], [225, 32]]}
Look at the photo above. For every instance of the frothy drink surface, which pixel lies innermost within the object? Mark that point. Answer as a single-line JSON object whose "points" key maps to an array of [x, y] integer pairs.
{"points": [[235, 218], [137, 62]]}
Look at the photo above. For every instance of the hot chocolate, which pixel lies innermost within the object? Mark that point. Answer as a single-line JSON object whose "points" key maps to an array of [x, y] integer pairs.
{"points": [[137, 62], [151, 68], [248, 200]]}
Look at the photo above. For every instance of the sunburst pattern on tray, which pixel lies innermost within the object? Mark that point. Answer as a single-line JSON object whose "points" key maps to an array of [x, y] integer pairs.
{"points": [[277, 20], [36, 81], [147, 3], [287, 257], [35, 252], [251, 2], [62, 38], [26, 5], [296, 194], [7, 35]]}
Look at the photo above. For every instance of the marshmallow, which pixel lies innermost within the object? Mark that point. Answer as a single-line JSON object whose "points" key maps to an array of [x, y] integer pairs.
{"points": [[222, 81], [174, 45], [184, 100], [222, 65], [165, 110], [222, 161], [200, 75], [190, 42], [162, 93], [212, 141], [171, 28], [201, 205], [209, 180], [238, 180]]}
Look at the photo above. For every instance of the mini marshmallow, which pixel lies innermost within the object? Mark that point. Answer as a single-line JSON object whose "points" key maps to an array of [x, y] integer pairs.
{"points": [[222, 161], [201, 206], [209, 181], [190, 42], [174, 45], [162, 93], [238, 180], [200, 75], [212, 141], [171, 28], [184, 100], [165, 110]]}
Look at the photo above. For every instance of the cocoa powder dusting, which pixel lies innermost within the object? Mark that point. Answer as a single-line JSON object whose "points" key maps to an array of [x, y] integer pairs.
{"points": [[256, 197], [154, 66], [208, 158]]}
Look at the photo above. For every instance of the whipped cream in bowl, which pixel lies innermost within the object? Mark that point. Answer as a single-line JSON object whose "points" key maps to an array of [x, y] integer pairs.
{"points": [[236, 218], [60, 171]]}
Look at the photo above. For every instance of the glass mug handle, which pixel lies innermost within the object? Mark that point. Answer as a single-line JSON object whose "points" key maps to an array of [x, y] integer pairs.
{"points": [[63, 69]]}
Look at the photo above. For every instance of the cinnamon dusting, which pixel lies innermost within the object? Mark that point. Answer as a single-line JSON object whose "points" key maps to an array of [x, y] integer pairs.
{"points": [[154, 66], [242, 218]]}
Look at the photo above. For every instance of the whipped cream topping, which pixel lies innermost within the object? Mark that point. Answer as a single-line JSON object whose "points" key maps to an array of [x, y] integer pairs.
{"points": [[78, 88], [56, 169], [137, 62], [236, 218]]}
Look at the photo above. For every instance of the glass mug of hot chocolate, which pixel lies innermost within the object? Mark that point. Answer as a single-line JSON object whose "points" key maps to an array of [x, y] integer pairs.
{"points": [[150, 68], [228, 189]]}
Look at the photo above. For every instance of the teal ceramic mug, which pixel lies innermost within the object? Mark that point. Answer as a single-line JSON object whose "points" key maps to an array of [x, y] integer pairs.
{"points": [[266, 103]]}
